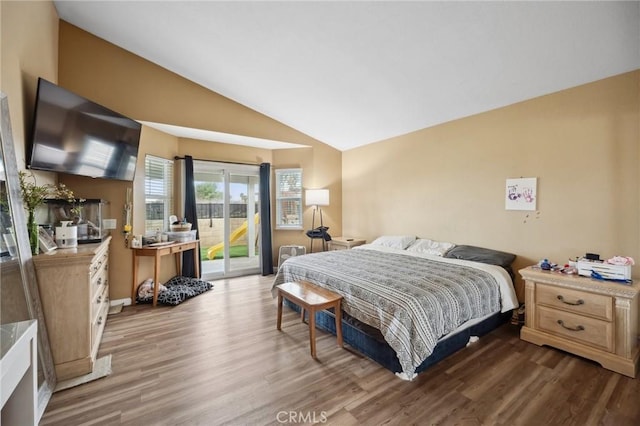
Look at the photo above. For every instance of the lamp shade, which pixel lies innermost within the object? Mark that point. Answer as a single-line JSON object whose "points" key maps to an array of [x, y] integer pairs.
{"points": [[317, 197]]}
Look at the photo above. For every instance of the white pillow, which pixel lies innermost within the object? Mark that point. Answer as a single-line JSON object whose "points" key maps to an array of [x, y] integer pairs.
{"points": [[436, 248], [398, 242]]}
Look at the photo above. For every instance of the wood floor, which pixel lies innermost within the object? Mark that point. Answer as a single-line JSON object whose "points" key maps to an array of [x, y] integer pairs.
{"points": [[218, 359]]}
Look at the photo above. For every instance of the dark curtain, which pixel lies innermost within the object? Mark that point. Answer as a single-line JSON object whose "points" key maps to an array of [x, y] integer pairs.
{"points": [[265, 219], [192, 217]]}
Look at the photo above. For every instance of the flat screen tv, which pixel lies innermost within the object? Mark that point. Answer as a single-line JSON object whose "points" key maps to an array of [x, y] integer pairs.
{"points": [[74, 135]]}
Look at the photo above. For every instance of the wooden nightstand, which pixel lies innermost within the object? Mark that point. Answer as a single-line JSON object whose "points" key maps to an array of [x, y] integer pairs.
{"points": [[594, 319], [345, 243]]}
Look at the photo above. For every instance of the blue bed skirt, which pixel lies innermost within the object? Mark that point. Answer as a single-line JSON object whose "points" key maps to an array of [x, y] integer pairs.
{"points": [[369, 341]]}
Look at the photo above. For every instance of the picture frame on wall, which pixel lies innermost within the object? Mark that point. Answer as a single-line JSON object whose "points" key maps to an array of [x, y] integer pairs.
{"points": [[521, 194], [46, 241]]}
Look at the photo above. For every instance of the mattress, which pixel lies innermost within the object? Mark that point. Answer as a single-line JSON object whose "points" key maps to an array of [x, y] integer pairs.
{"points": [[413, 299]]}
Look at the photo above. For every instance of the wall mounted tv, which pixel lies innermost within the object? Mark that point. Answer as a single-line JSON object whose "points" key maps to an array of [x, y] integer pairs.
{"points": [[73, 135]]}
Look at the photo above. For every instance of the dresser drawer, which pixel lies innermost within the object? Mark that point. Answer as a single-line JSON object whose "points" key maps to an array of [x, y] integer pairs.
{"points": [[98, 322], [99, 279], [98, 264], [579, 302], [586, 330], [99, 300]]}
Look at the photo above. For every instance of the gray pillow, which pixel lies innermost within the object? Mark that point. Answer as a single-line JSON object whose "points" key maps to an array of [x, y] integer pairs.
{"points": [[483, 255]]}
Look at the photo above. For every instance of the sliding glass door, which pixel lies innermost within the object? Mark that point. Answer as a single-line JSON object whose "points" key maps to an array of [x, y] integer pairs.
{"points": [[227, 198]]}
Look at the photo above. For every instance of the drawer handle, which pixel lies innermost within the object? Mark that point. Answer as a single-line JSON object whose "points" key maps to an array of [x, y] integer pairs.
{"points": [[578, 328], [99, 281], [576, 303], [99, 299], [99, 322]]}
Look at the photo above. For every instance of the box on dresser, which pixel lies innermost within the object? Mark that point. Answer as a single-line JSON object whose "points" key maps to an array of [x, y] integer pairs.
{"points": [[594, 319], [88, 215]]}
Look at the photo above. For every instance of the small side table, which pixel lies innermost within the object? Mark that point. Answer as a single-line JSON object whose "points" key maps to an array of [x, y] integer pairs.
{"points": [[345, 243]]}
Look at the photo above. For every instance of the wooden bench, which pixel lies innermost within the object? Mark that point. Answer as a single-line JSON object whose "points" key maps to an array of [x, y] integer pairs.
{"points": [[311, 298]]}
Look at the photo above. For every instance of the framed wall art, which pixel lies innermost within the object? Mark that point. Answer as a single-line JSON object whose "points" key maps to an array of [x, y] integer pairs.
{"points": [[521, 194]]}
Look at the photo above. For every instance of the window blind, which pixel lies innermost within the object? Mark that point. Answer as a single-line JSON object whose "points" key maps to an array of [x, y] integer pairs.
{"points": [[158, 191]]}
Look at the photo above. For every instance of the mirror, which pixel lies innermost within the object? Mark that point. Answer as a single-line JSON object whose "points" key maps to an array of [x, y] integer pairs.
{"points": [[19, 296]]}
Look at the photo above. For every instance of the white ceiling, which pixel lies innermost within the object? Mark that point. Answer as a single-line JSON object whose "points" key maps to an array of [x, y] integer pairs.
{"points": [[354, 73]]}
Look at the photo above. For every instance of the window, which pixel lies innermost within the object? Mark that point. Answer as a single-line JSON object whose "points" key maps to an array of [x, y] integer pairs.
{"points": [[289, 199], [158, 193]]}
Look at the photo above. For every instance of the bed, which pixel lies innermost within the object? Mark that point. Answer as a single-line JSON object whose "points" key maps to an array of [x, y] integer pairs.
{"points": [[410, 302]]}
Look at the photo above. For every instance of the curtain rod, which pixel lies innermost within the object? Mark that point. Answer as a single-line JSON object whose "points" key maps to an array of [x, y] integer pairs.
{"points": [[219, 161]]}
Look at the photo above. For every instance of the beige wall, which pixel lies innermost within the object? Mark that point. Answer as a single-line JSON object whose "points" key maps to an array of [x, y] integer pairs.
{"points": [[448, 182], [28, 50], [321, 168], [137, 88]]}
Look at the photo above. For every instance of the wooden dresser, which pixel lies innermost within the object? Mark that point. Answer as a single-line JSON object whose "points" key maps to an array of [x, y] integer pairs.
{"points": [[74, 290], [594, 319]]}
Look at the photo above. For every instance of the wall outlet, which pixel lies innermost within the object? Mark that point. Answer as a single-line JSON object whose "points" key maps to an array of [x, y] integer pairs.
{"points": [[109, 223]]}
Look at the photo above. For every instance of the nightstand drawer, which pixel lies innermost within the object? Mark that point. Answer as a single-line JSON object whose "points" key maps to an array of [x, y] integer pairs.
{"points": [[589, 331], [579, 302]]}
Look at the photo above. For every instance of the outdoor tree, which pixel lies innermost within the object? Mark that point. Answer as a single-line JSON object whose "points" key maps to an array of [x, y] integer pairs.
{"points": [[208, 191]]}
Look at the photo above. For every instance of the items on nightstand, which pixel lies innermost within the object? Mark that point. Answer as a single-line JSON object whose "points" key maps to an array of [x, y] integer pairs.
{"points": [[546, 265], [616, 268]]}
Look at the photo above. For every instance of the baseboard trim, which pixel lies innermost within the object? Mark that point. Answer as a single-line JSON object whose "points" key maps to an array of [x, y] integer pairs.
{"points": [[126, 302]]}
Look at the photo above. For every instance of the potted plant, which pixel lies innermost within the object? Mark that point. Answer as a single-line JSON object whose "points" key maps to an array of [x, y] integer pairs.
{"points": [[33, 195]]}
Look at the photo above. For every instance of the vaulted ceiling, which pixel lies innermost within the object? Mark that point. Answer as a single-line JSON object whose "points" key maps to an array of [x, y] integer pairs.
{"points": [[354, 73]]}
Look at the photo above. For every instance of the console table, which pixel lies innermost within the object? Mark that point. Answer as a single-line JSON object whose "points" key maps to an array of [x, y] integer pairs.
{"points": [[157, 252]]}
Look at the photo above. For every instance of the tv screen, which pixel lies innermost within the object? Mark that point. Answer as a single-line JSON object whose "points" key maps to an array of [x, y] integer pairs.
{"points": [[73, 135]]}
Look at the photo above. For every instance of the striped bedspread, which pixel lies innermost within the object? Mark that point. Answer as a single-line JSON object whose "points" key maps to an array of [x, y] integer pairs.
{"points": [[413, 300]]}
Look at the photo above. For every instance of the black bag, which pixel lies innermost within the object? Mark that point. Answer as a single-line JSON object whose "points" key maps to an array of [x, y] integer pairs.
{"points": [[319, 232]]}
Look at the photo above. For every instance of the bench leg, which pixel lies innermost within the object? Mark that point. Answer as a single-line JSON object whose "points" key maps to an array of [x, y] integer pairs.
{"points": [[279, 323], [338, 317], [312, 332]]}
